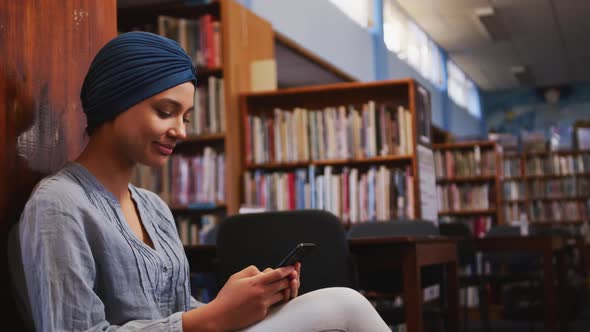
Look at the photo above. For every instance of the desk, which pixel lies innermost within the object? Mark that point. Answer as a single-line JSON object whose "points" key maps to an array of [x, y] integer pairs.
{"points": [[410, 254], [407, 254], [548, 247]]}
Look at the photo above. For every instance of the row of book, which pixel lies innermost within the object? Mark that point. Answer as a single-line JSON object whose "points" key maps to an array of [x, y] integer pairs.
{"points": [[566, 187], [200, 38], [559, 211], [461, 197], [340, 132], [464, 163], [515, 212], [209, 111], [186, 180], [558, 164], [570, 187], [513, 190], [194, 232], [512, 167], [351, 194], [198, 179]]}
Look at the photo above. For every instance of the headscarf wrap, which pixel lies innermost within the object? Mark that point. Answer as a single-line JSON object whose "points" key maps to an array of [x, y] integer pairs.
{"points": [[130, 68]]}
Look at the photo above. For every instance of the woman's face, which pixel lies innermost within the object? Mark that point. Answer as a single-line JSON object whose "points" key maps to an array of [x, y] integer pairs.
{"points": [[149, 130]]}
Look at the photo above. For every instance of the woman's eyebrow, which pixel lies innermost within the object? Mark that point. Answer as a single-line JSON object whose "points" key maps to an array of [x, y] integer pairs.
{"points": [[168, 101]]}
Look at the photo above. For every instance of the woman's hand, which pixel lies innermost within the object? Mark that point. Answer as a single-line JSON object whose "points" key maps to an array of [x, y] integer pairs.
{"points": [[294, 283], [293, 290], [247, 296]]}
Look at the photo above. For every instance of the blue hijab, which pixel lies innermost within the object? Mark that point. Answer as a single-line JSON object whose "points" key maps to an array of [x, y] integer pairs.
{"points": [[128, 69]]}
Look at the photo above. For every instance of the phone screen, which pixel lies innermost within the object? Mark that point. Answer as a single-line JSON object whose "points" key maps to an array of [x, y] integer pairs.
{"points": [[297, 254]]}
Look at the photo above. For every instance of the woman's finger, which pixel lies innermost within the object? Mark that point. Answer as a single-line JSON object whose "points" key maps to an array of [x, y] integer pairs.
{"points": [[276, 298], [294, 288]]}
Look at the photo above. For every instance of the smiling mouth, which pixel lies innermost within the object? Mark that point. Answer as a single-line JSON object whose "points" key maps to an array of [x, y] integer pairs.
{"points": [[164, 149]]}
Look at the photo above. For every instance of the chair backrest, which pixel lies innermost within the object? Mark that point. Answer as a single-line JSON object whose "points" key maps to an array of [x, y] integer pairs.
{"points": [[465, 247], [514, 260], [544, 230], [401, 227], [264, 239], [17, 278], [503, 230]]}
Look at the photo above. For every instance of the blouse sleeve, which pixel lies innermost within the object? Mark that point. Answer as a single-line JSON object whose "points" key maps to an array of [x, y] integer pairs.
{"points": [[60, 274]]}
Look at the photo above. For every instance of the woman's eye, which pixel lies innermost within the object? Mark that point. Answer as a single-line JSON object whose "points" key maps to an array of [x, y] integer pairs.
{"points": [[163, 114], [186, 120]]}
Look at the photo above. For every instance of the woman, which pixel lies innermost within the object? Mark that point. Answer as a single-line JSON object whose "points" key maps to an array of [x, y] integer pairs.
{"points": [[103, 255]]}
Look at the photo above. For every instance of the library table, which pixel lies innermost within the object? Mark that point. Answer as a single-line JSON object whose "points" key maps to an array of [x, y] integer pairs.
{"points": [[409, 254], [548, 247]]}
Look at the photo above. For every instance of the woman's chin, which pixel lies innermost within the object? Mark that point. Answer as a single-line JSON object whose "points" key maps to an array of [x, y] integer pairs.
{"points": [[155, 161]]}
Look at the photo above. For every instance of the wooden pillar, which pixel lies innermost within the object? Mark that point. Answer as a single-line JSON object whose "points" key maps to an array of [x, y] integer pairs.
{"points": [[45, 49]]}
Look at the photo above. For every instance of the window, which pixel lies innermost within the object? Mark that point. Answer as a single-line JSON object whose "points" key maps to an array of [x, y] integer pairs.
{"points": [[411, 43], [359, 10], [462, 90]]}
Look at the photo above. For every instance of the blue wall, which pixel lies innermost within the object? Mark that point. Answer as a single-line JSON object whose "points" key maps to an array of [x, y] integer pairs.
{"points": [[321, 27], [517, 110]]}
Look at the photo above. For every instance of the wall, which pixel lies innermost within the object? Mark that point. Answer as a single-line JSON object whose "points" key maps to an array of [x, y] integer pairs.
{"points": [[517, 110], [357, 51], [321, 27]]}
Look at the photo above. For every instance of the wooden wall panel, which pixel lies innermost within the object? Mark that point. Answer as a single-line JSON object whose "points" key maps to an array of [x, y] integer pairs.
{"points": [[45, 49]]}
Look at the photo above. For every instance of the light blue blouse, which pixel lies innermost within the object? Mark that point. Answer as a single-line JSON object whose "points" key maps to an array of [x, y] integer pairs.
{"points": [[86, 270]]}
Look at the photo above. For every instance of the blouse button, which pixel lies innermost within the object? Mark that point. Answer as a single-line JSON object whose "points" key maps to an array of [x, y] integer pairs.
{"points": [[164, 269]]}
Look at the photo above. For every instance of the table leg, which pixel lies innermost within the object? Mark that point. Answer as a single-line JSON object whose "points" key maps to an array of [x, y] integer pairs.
{"points": [[549, 292], [452, 294], [581, 256], [562, 296], [413, 297]]}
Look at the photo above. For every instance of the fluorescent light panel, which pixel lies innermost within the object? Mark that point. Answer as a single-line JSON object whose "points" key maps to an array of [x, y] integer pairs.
{"points": [[489, 19]]}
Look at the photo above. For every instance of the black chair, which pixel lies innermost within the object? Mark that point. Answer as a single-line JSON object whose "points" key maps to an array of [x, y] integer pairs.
{"points": [[467, 255], [17, 279], [204, 284], [264, 239], [384, 284]]}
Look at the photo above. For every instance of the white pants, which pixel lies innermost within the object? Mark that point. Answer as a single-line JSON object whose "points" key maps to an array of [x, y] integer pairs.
{"points": [[329, 309]]}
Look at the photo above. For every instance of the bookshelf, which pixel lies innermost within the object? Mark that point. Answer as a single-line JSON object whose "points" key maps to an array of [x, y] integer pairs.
{"points": [[350, 148], [224, 39], [441, 136], [467, 183], [547, 187]]}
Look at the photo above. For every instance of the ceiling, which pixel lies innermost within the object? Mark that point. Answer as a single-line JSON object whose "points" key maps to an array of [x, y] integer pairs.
{"points": [[550, 37]]}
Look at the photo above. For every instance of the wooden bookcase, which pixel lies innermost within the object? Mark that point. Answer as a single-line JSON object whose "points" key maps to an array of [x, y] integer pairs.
{"points": [[468, 181], [265, 154], [245, 38], [549, 184], [441, 136]]}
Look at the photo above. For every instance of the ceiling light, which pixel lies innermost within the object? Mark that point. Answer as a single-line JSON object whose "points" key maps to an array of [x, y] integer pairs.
{"points": [[490, 20]]}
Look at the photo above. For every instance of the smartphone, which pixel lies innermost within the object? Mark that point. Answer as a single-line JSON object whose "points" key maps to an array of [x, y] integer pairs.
{"points": [[297, 254]]}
